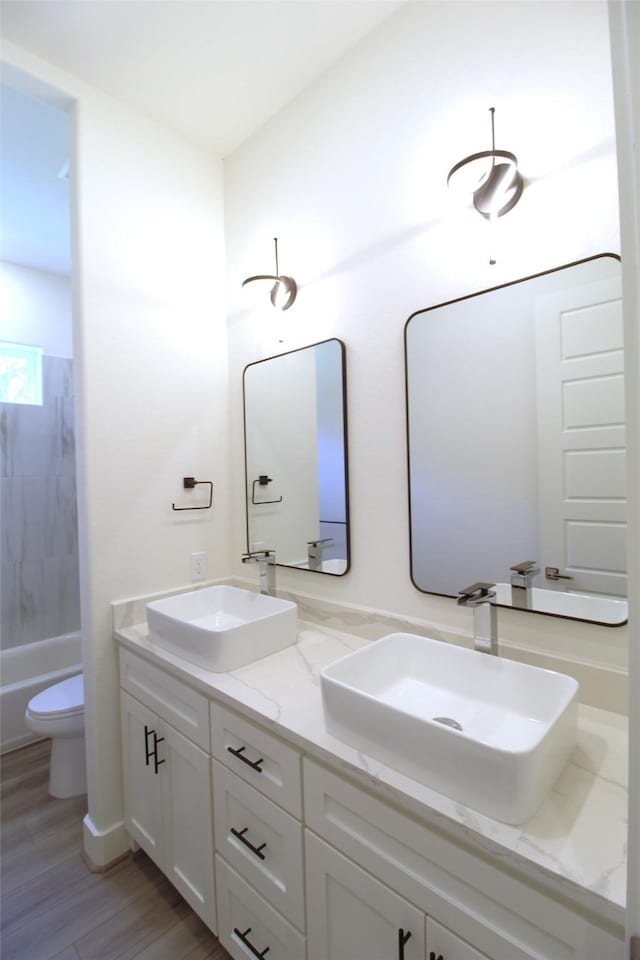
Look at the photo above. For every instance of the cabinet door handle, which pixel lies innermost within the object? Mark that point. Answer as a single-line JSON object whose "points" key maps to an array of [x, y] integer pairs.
{"points": [[240, 834], [156, 741], [148, 753], [402, 939], [248, 944], [254, 764], [432, 956]]}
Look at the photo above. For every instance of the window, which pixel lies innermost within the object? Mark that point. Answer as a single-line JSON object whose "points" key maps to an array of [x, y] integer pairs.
{"points": [[20, 373]]}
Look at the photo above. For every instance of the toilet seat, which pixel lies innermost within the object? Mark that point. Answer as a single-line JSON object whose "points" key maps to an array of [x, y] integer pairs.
{"points": [[62, 700]]}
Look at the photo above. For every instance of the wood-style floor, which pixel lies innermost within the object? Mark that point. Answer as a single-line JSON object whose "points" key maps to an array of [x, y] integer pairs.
{"points": [[54, 908]]}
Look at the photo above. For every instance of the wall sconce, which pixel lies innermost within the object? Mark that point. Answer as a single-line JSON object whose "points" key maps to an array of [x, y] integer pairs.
{"points": [[284, 290], [497, 188]]}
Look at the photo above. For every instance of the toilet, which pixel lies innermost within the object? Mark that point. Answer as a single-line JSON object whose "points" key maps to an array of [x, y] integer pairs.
{"points": [[58, 713]]}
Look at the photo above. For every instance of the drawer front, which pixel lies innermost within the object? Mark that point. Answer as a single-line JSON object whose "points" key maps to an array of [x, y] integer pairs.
{"points": [[248, 926], [503, 916], [261, 841], [268, 764], [185, 709]]}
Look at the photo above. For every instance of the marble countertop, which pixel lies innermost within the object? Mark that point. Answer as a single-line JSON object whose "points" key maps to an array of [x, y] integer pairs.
{"points": [[574, 845]]}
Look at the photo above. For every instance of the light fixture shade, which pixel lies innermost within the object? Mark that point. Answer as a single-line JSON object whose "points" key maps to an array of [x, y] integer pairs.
{"points": [[283, 291], [497, 189]]}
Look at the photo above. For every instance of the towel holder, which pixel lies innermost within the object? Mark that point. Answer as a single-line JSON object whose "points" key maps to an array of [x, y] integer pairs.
{"points": [[189, 483], [263, 480]]}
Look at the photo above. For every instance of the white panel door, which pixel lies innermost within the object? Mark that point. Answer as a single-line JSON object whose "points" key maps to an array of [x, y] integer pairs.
{"points": [[352, 916], [581, 438]]}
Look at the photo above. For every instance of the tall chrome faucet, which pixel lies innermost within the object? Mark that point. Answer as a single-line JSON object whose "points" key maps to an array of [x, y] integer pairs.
{"points": [[480, 596], [521, 590], [267, 561]]}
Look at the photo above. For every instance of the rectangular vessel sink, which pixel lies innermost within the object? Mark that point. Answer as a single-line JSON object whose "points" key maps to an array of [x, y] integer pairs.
{"points": [[491, 733], [222, 628]]}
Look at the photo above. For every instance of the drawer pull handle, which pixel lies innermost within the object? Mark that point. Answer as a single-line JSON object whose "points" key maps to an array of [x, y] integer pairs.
{"points": [[254, 764], [240, 834], [248, 944], [402, 939]]}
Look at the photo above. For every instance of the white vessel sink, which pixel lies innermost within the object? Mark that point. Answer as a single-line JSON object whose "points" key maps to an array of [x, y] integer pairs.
{"points": [[222, 628], [399, 699]]}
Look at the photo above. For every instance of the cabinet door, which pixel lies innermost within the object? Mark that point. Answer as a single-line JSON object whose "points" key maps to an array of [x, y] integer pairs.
{"points": [[188, 821], [352, 915], [142, 789], [444, 945]]}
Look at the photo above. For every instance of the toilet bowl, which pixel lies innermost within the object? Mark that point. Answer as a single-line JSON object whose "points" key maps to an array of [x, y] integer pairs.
{"points": [[58, 712]]}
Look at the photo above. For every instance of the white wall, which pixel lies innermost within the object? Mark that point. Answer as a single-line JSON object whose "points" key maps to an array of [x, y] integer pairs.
{"points": [[35, 308], [150, 349], [351, 177]]}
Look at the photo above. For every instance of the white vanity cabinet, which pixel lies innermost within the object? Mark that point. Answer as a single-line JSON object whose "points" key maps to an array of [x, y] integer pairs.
{"points": [[311, 865], [167, 786]]}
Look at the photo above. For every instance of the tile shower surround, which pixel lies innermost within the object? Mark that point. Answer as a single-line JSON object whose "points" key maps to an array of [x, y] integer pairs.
{"points": [[39, 528]]}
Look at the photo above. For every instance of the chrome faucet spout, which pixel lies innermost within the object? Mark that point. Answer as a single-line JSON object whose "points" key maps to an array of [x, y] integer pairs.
{"points": [[267, 561], [480, 597], [521, 590]]}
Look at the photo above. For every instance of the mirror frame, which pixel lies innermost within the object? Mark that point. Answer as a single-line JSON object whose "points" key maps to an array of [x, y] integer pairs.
{"points": [[446, 303], [345, 437]]}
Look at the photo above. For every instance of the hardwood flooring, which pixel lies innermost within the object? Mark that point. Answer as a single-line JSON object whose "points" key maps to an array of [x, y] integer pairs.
{"points": [[54, 908]]}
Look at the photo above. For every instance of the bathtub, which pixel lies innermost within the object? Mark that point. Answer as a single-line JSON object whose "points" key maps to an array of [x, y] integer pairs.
{"points": [[25, 671]]}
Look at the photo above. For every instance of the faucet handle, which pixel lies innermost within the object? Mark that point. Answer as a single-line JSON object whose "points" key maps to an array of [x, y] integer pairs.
{"points": [[476, 593], [527, 566], [255, 555], [316, 543]]}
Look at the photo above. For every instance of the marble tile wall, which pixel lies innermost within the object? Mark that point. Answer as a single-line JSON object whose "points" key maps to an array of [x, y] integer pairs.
{"points": [[40, 594]]}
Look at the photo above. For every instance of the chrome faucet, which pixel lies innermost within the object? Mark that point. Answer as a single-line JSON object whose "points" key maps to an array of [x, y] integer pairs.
{"points": [[267, 561], [480, 596], [521, 576], [315, 552]]}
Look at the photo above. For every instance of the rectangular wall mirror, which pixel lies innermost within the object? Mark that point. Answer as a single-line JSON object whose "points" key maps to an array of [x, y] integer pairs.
{"points": [[295, 431], [516, 443]]}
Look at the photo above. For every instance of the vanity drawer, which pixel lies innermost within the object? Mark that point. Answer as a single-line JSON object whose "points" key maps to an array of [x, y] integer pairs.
{"points": [[261, 841], [502, 915], [246, 920], [185, 709], [268, 764]]}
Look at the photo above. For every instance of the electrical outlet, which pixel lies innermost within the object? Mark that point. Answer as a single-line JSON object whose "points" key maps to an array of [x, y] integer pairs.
{"points": [[198, 565]]}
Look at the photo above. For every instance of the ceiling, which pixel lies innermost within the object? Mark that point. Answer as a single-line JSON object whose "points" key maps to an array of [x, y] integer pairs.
{"points": [[213, 70]]}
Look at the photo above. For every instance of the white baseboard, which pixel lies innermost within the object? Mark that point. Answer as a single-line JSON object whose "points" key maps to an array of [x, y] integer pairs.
{"points": [[102, 848]]}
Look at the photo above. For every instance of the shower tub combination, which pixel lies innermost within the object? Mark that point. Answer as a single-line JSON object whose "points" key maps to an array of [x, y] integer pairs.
{"points": [[25, 671]]}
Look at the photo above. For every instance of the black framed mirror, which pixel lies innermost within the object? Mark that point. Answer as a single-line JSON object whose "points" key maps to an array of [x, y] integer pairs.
{"points": [[516, 443], [296, 464]]}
